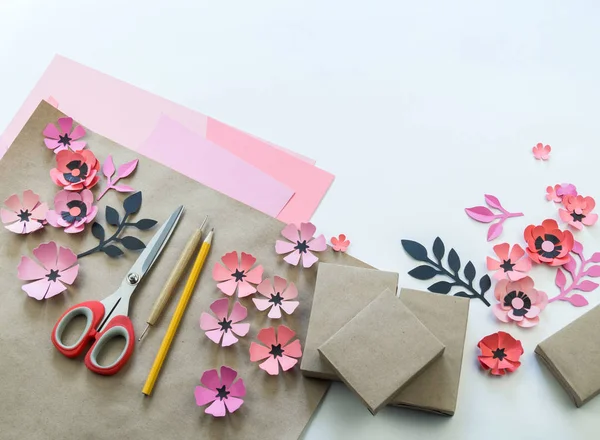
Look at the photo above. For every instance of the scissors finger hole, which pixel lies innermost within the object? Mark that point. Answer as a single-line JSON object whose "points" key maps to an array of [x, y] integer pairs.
{"points": [[110, 348], [74, 327]]}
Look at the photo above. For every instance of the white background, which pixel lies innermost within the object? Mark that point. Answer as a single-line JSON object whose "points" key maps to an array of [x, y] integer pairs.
{"points": [[418, 108]]}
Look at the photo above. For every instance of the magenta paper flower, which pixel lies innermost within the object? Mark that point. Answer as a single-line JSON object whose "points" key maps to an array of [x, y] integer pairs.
{"points": [[64, 137], [222, 328], [72, 210], [58, 266], [276, 350], [279, 295], [302, 244], [557, 192], [237, 275], [224, 393], [518, 301], [340, 244], [513, 265], [541, 151], [23, 217], [577, 211]]}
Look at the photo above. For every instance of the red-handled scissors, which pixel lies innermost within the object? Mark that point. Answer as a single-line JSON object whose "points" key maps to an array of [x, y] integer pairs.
{"points": [[107, 319]]}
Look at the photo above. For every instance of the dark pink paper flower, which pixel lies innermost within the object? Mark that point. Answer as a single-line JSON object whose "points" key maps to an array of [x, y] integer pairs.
{"points": [[541, 151], [58, 266], [276, 350], [279, 296], [237, 275], [340, 243], [25, 215], [302, 244], [577, 211], [519, 301], [513, 266], [224, 393], [64, 137], [222, 328], [75, 171], [72, 210]]}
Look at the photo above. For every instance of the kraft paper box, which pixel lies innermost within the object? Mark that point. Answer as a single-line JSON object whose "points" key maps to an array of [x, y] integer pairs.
{"points": [[340, 293], [573, 356], [380, 350], [45, 395]]}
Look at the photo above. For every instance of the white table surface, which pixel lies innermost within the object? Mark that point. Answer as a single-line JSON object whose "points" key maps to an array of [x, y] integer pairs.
{"points": [[418, 108]]}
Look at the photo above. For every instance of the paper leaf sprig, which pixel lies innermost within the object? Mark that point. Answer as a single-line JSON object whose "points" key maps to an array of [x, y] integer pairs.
{"points": [[433, 268], [108, 169], [485, 215], [577, 274], [131, 205]]}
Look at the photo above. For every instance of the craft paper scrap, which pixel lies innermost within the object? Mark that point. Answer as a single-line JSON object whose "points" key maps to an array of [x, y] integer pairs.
{"points": [[380, 350]]}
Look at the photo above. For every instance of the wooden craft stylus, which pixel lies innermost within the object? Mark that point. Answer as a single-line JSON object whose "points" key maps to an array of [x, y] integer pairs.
{"points": [[176, 273]]}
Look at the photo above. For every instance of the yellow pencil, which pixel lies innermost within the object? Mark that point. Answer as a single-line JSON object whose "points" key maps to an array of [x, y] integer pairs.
{"points": [[176, 319]]}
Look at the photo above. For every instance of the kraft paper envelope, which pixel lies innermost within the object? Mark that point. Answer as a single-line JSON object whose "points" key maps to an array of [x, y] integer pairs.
{"points": [[381, 350], [48, 396], [573, 354]]}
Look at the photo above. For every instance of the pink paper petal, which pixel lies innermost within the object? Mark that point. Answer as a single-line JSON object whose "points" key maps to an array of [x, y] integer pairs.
{"points": [[293, 349], [127, 168], [319, 244], [586, 286], [283, 247], [271, 366], [228, 339], [247, 262], [279, 284], [255, 275], [238, 313], [529, 322], [577, 300], [287, 362], [233, 403], [228, 287], [501, 314], [29, 270], [245, 289], [210, 379], [238, 389], [258, 352], [217, 409], [204, 396], [275, 312], [493, 265], [560, 280], [9, 216], [308, 259], [481, 214], [267, 336], [39, 213], [77, 133], [123, 188], [65, 125], [13, 203], [53, 144], [291, 233], [230, 260], [593, 271], [240, 329], [228, 375], [51, 131], [68, 276], [208, 322], [494, 231], [214, 335], [32, 226], [289, 306], [284, 335], [17, 228], [265, 288], [290, 293], [30, 200], [66, 258], [46, 254], [77, 145], [307, 231], [262, 304], [108, 168], [37, 289], [220, 308], [220, 273], [55, 288]]}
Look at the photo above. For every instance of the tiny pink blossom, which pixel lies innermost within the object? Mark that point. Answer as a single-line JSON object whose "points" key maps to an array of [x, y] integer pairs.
{"points": [[65, 137], [222, 328], [279, 296], [541, 151], [340, 243], [277, 349], [237, 275], [302, 243], [224, 393]]}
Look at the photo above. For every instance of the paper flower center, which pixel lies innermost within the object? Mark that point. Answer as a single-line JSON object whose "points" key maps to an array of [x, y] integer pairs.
{"points": [[276, 350], [519, 302], [225, 325], [24, 215], [53, 275], [548, 246], [507, 265], [238, 275], [76, 211], [498, 354], [302, 247], [222, 393], [577, 217], [65, 139], [78, 171], [276, 299]]}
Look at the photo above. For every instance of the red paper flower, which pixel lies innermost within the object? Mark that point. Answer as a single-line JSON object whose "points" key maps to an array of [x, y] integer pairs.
{"points": [[280, 295], [72, 210], [302, 243], [541, 152], [224, 326], [277, 351], [237, 275], [75, 171], [548, 244], [64, 137], [578, 211], [519, 301], [25, 215], [500, 353], [340, 244], [223, 393], [512, 266]]}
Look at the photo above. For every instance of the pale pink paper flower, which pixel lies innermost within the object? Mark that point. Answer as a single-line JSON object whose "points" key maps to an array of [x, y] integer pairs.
{"points": [[519, 301], [23, 217], [302, 244], [224, 393], [222, 328], [237, 275], [277, 351], [557, 192], [513, 265], [279, 295], [340, 243], [64, 137], [541, 151], [72, 210], [577, 211], [58, 266]]}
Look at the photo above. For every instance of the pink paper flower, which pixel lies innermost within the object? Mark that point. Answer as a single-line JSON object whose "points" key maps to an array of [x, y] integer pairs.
{"points": [[57, 267], [224, 393], [519, 301], [578, 211], [222, 328], [340, 244], [541, 152], [302, 244], [23, 217], [512, 266], [277, 351], [75, 171], [557, 192], [72, 210], [64, 137], [237, 275], [279, 295]]}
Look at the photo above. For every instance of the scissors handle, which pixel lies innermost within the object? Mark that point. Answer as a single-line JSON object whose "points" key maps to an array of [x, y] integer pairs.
{"points": [[93, 311], [118, 326]]}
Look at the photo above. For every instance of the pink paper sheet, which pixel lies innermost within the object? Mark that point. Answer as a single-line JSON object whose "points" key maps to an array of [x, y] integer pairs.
{"points": [[127, 114], [215, 167]]}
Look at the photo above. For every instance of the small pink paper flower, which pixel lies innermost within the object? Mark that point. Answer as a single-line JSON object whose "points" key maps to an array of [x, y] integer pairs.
{"points": [[64, 137], [237, 275], [541, 152], [279, 295], [72, 210], [57, 267], [578, 211], [512, 266], [224, 326], [557, 192], [75, 171], [277, 350], [303, 244], [340, 244], [26, 216], [518, 301], [223, 393]]}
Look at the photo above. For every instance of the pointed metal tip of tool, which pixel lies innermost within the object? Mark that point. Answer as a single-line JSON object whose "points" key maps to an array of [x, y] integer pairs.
{"points": [[204, 222], [144, 332]]}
